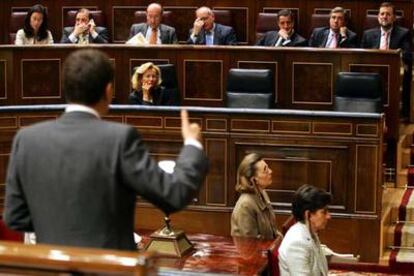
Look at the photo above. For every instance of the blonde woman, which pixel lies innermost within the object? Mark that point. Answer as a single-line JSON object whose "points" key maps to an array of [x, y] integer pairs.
{"points": [[146, 86], [253, 215]]}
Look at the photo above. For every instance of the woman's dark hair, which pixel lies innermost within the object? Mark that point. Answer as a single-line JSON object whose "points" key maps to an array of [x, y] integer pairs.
{"points": [[309, 198], [28, 30]]}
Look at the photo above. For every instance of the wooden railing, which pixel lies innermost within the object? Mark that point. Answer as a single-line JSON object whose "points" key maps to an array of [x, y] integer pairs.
{"points": [[339, 152], [20, 259]]}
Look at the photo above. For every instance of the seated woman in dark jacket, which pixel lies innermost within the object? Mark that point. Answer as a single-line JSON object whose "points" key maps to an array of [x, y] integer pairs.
{"points": [[146, 88]]}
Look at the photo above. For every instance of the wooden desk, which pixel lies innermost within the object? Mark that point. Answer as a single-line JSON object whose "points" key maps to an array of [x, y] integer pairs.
{"points": [[20, 259], [339, 152], [304, 77], [217, 255]]}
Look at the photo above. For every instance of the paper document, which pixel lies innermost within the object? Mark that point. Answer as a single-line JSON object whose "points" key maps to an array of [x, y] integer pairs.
{"points": [[137, 39]]}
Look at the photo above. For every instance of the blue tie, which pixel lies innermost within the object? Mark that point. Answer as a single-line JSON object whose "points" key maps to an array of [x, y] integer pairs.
{"points": [[209, 38]]}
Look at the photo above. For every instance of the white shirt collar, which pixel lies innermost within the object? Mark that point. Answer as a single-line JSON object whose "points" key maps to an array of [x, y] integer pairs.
{"points": [[331, 33], [81, 108]]}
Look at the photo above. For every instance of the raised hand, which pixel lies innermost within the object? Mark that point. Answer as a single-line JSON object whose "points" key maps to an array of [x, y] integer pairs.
{"points": [[192, 131], [197, 26]]}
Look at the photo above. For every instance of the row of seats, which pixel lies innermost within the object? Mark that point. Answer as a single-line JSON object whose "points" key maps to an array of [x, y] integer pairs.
{"points": [[254, 88], [265, 21], [355, 92]]}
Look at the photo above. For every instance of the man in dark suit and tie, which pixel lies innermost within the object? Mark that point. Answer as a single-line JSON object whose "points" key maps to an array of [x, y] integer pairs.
{"points": [[74, 180], [337, 35], [84, 31], [286, 36], [153, 30], [206, 32], [391, 36]]}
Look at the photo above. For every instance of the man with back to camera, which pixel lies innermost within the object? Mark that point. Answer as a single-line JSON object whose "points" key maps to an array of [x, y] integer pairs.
{"points": [[286, 36], [389, 35], [206, 32], [337, 35], [153, 30], [74, 180], [85, 31]]}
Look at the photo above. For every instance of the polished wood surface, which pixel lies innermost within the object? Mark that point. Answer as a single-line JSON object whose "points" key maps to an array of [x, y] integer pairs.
{"points": [[331, 150], [119, 14], [20, 259], [218, 255], [304, 77]]}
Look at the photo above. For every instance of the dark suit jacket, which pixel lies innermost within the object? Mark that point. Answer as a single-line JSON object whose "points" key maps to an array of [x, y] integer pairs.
{"points": [[270, 38], [223, 35], [159, 97], [400, 39], [168, 35], [74, 181], [103, 35], [320, 36]]}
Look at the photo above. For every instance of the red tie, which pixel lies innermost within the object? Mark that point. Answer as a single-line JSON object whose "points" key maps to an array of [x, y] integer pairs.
{"points": [[154, 36]]}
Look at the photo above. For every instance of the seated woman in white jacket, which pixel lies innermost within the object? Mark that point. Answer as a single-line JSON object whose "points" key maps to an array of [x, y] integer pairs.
{"points": [[300, 252], [35, 28]]}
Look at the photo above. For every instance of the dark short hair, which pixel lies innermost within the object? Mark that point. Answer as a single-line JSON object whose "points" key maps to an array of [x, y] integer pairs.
{"points": [[285, 12], [309, 198], [388, 5], [28, 30], [86, 73]]}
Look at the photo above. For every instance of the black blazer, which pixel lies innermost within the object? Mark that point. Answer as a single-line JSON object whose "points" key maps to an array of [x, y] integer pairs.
{"points": [[270, 39], [223, 35], [320, 36], [74, 181], [159, 97], [400, 39], [103, 35]]}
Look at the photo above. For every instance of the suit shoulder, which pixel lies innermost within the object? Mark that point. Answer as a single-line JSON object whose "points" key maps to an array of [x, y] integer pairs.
{"points": [[100, 29], [351, 33], [298, 233], [319, 29], [167, 27], [68, 29], [299, 38], [402, 29], [37, 128], [371, 31], [271, 33], [137, 25], [224, 27], [245, 201]]}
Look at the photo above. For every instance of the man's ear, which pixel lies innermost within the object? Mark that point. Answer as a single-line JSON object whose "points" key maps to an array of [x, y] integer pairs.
{"points": [[307, 215], [109, 92]]}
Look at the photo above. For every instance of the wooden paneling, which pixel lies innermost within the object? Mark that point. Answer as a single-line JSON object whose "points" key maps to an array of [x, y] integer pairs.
{"points": [[312, 83], [333, 155], [365, 201], [40, 78], [304, 78], [203, 80], [3, 79]]}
